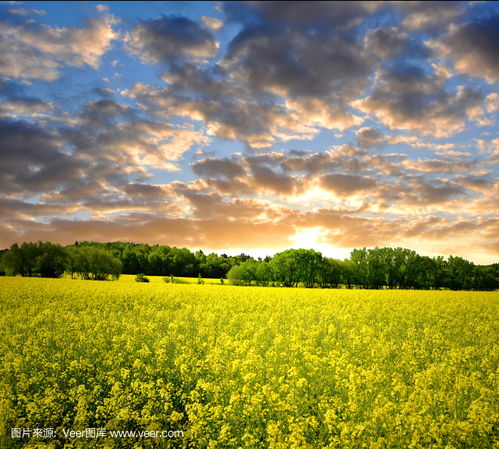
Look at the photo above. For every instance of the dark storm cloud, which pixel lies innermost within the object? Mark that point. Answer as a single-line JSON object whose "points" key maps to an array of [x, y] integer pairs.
{"points": [[474, 47], [170, 38]]}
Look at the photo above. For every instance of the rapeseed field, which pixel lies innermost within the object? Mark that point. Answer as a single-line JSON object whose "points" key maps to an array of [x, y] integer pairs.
{"points": [[245, 367]]}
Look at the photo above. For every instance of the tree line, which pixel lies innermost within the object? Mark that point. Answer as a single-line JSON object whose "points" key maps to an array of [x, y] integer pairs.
{"points": [[47, 259], [366, 268]]}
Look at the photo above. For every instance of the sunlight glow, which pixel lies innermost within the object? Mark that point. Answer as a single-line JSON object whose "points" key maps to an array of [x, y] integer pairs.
{"points": [[316, 238]]}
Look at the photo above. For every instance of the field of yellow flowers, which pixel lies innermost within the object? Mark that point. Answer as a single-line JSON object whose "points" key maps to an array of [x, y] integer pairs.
{"points": [[245, 367]]}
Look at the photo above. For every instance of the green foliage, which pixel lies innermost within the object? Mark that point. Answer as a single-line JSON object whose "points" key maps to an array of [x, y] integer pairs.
{"points": [[43, 259], [93, 263], [234, 275], [375, 268], [141, 278], [173, 280], [295, 266], [170, 279]]}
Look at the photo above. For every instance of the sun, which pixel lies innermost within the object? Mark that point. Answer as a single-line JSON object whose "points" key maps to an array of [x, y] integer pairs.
{"points": [[316, 238]]}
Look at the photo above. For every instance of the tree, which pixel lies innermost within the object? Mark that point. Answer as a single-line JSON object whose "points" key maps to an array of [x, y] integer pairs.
{"points": [[183, 262], [51, 261], [359, 260], [247, 272], [234, 275], [159, 260], [375, 268], [141, 278], [93, 263], [35, 259], [12, 261], [347, 272], [292, 266], [264, 274], [460, 273], [329, 274]]}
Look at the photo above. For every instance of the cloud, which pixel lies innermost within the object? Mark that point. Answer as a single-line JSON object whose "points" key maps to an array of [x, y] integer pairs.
{"points": [[147, 191], [316, 75], [32, 107], [455, 164], [474, 47], [369, 137], [429, 16], [212, 23], [214, 234], [346, 185], [267, 179], [27, 12], [232, 147], [102, 8], [406, 97], [171, 38], [31, 161], [341, 15], [385, 41], [38, 52], [225, 111], [112, 132], [213, 167], [421, 191]]}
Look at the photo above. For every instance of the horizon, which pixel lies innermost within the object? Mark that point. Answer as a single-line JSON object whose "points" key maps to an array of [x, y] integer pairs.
{"points": [[252, 127], [256, 255]]}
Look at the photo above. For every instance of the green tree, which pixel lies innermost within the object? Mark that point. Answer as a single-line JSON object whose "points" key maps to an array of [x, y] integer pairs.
{"points": [[51, 261], [93, 263], [234, 275], [264, 273], [293, 266]]}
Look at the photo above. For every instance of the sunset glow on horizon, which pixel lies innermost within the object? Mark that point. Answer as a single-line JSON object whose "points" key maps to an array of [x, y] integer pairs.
{"points": [[252, 126]]}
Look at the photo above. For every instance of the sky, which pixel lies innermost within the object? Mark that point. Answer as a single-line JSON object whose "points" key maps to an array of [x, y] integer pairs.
{"points": [[252, 126]]}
